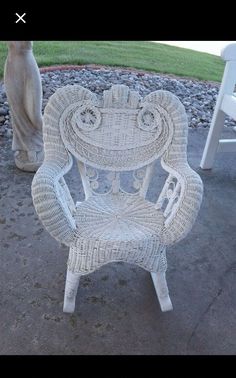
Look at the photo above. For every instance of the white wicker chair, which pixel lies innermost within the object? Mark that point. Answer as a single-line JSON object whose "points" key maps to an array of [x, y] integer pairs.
{"points": [[225, 106], [109, 136]]}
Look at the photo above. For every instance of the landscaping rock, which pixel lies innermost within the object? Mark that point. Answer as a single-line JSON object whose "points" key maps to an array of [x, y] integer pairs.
{"points": [[3, 111], [198, 97]]}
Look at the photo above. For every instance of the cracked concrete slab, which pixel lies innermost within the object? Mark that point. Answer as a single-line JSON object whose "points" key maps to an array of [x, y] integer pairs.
{"points": [[116, 308]]}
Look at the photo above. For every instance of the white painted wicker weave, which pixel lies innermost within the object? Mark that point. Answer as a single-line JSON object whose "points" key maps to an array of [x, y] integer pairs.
{"points": [[111, 136]]}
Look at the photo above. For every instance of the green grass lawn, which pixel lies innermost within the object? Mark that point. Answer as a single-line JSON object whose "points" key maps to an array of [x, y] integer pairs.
{"points": [[148, 56]]}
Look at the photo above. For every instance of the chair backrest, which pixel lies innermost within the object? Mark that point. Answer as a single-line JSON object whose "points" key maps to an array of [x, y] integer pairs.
{"points": [[116, 132]]}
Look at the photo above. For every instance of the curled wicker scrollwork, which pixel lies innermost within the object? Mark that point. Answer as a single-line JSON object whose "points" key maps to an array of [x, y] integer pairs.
{"points": [[138, 176]]}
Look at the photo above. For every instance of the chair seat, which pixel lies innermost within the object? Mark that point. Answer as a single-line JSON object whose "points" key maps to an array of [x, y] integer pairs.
{"points": [[118, 217], [116, 227]]}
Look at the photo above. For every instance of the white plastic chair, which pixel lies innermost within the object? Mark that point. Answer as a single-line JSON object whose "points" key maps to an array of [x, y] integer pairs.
{"points": [[225, 105], [109, 137]]}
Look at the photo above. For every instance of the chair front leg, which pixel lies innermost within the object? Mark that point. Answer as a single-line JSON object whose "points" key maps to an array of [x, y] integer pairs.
{"points": [[160, 284], [71, 287]]}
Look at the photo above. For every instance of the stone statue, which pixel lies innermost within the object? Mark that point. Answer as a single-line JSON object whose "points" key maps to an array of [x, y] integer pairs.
{"points": [[24, 93]]}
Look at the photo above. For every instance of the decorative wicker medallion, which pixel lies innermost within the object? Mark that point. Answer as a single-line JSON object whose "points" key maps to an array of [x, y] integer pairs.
{"points": [[87, 117], [149, 118]]}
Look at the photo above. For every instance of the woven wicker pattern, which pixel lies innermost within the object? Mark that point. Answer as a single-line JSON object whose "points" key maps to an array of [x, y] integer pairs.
{"points": [[116, 133], [116, 228]]}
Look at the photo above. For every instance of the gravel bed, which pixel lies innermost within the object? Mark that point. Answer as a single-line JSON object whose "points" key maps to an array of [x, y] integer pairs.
{"points": [[198, 97]]}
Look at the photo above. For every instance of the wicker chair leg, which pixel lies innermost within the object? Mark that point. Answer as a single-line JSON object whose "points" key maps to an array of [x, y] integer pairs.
{"points": [[72, 284], [160, 284]]}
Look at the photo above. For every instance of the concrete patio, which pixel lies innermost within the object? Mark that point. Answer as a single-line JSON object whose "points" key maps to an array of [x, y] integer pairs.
{"points": [[117, 311]]}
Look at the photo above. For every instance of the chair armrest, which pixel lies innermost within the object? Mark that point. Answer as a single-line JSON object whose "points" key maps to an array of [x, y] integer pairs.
{"points": [[65, 193], [51, 206], [183, 213]]}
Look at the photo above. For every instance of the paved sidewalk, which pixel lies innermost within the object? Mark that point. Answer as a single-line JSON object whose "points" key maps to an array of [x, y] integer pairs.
{"points": [[116, 309]]}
